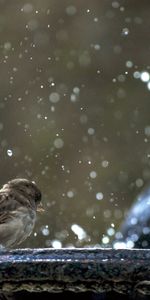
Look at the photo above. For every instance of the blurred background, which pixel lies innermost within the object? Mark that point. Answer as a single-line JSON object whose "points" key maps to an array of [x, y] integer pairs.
{"points": [[75, 112]]}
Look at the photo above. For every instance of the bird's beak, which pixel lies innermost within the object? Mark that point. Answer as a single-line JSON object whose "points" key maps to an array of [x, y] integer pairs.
{"points": [[40, 207]]}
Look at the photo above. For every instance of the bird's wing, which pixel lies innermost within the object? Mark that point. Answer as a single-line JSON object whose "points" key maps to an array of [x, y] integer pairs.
{"points": [[11, 232], [5, 217], [8, 201], [6, 197], [8, 204]]}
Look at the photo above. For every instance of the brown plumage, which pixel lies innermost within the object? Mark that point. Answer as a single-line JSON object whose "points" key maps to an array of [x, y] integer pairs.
{"points": [[19, 200]]}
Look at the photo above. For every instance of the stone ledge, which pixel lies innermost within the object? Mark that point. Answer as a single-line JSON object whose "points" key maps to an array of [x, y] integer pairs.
{"points": [[78, 270]]}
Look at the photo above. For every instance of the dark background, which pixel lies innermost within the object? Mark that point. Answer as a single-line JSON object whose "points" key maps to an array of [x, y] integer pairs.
{"points": [[73, 115]]}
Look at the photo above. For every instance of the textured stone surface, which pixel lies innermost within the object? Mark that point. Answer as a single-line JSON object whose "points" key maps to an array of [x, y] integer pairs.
{"points": [[124, 271]]}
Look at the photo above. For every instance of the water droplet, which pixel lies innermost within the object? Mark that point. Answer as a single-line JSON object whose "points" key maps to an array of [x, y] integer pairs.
{"points": [[105, 163], [27, 8], [70, 194], [54, 97], [99, 196], [139, 182], [58, 143], [125, 31], [71, 10], [105, 240], [93, 174], [97, 47], [148, 85], [9, 152], [129, 64], [56, 244], [136, 74], [73, 98], [76, 90], [79, 231], [147, 130], [91, 131], [145, 77], [115, 4], [45, 231], [110, 231]]}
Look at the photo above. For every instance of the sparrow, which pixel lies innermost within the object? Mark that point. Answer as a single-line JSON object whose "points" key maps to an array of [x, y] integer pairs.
{"points": [[20, 199]]}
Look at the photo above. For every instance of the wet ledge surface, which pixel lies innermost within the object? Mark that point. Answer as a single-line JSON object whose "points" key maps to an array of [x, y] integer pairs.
{"points": [[78, 270]]}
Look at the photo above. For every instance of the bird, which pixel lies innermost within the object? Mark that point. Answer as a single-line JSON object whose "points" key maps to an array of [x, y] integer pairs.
{"points": [[20, 199]]}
